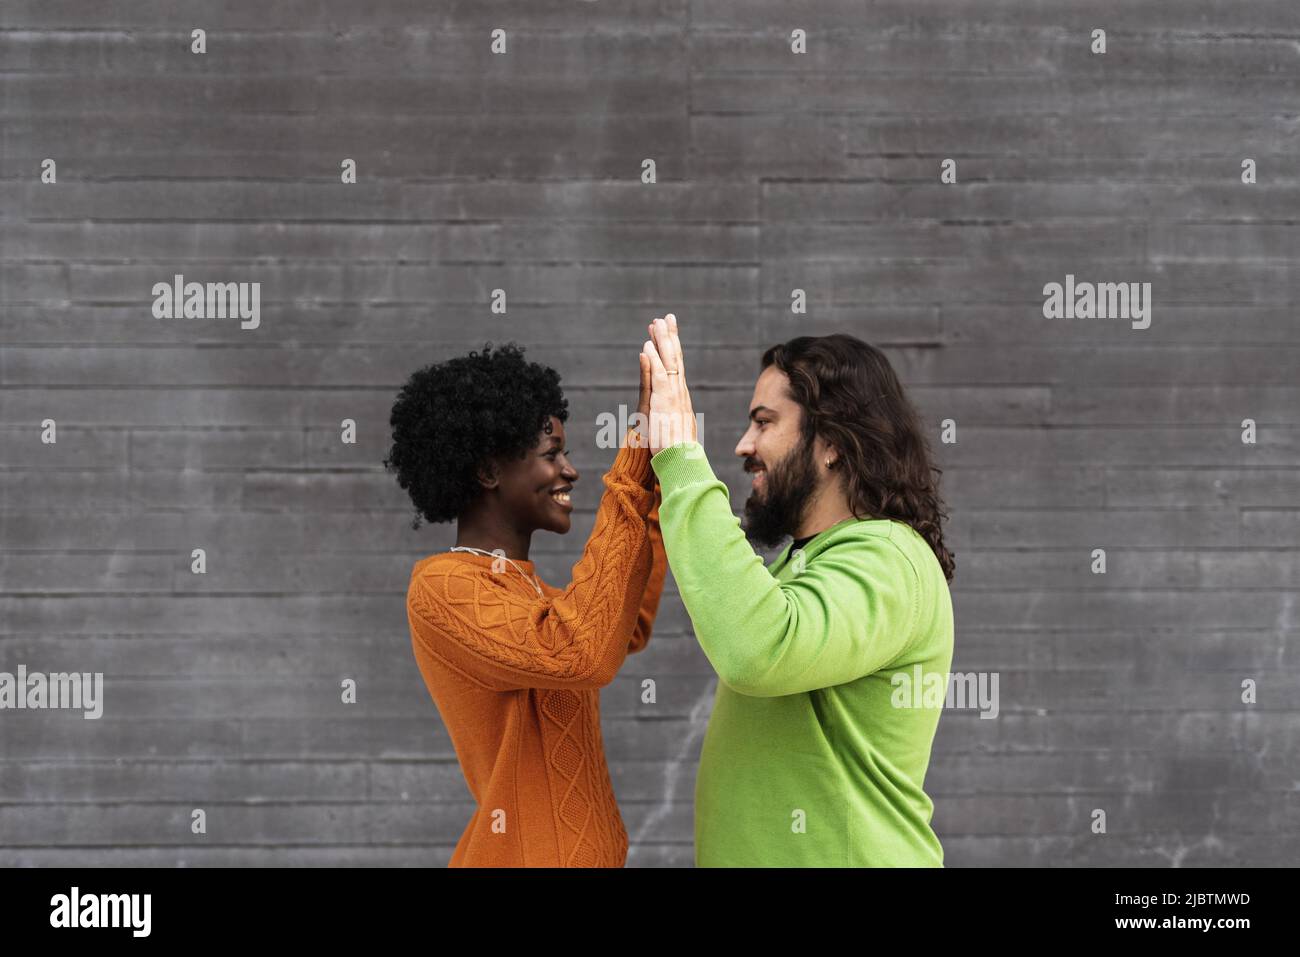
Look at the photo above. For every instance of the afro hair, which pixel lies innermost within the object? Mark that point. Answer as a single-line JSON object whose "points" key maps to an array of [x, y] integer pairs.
{"points": [[453, 418]]}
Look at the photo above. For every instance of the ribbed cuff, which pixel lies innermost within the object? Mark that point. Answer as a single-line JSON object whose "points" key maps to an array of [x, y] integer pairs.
{"points": [[633, 464], [681, 465]]}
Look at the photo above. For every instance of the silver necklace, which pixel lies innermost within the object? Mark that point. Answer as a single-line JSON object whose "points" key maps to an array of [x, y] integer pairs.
{"points": [[532, 580]]}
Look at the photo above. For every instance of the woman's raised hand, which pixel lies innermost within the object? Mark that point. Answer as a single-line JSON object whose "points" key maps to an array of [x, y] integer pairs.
{"points": [[640, 423]]}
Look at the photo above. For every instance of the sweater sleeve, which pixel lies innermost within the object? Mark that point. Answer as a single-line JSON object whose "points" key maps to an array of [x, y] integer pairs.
{"points": [[850, 612], [655, 585], [503, 639]]}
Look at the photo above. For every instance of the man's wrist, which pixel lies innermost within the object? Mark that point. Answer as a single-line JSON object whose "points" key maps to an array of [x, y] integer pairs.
{"points": [[682, 464]]}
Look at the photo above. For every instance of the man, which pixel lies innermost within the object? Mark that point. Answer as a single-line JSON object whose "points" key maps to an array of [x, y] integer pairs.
{"points": [[807, 761]]}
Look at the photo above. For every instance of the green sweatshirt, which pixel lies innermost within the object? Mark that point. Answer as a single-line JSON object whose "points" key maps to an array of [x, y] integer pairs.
{"points": [[807, 761]]}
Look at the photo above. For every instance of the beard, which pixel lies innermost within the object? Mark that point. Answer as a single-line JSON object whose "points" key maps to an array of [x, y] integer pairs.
{"points": [[788, 487]]}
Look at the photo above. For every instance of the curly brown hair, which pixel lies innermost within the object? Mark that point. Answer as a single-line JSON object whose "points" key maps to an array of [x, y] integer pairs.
{"points": [[852, 399]]}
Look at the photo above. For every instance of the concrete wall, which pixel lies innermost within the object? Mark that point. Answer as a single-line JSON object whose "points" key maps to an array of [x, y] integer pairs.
{"points": [[521, 171]]}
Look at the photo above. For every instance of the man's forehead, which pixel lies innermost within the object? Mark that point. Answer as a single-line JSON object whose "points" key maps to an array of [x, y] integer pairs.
{"points": [[770, 391]]}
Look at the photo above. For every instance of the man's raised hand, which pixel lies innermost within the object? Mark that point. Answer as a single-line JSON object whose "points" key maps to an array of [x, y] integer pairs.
{"points": [[672, 419]]}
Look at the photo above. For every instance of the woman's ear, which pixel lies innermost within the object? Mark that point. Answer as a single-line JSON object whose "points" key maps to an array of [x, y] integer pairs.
{"points": [[488, 476]]}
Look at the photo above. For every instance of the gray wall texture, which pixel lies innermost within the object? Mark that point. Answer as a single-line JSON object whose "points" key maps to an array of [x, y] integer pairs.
{"points": [[521, 171]]}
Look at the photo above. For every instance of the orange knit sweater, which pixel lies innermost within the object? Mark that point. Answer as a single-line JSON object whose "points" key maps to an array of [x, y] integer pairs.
{"points": [[516, 679]]}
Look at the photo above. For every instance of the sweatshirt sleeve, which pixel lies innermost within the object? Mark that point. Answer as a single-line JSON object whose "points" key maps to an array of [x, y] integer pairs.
{"points": [[504, 639], [850, 612], [655, 585]]}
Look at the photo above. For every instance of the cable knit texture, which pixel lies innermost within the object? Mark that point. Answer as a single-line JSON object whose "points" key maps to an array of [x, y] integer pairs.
{"points": [[516, 679]]}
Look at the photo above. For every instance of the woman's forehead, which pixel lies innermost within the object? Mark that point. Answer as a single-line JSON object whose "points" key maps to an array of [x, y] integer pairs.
{"points": [[552, 432]]}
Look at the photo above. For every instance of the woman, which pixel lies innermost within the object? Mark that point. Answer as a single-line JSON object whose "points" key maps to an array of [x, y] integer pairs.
{"points": [[515, 665]]}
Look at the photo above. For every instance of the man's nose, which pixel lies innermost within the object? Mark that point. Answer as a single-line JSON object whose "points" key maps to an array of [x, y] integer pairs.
{"points": [[745, 447]]}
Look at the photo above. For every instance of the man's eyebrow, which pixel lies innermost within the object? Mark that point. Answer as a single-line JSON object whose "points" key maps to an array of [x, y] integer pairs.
{"points": [[760, 408]]}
